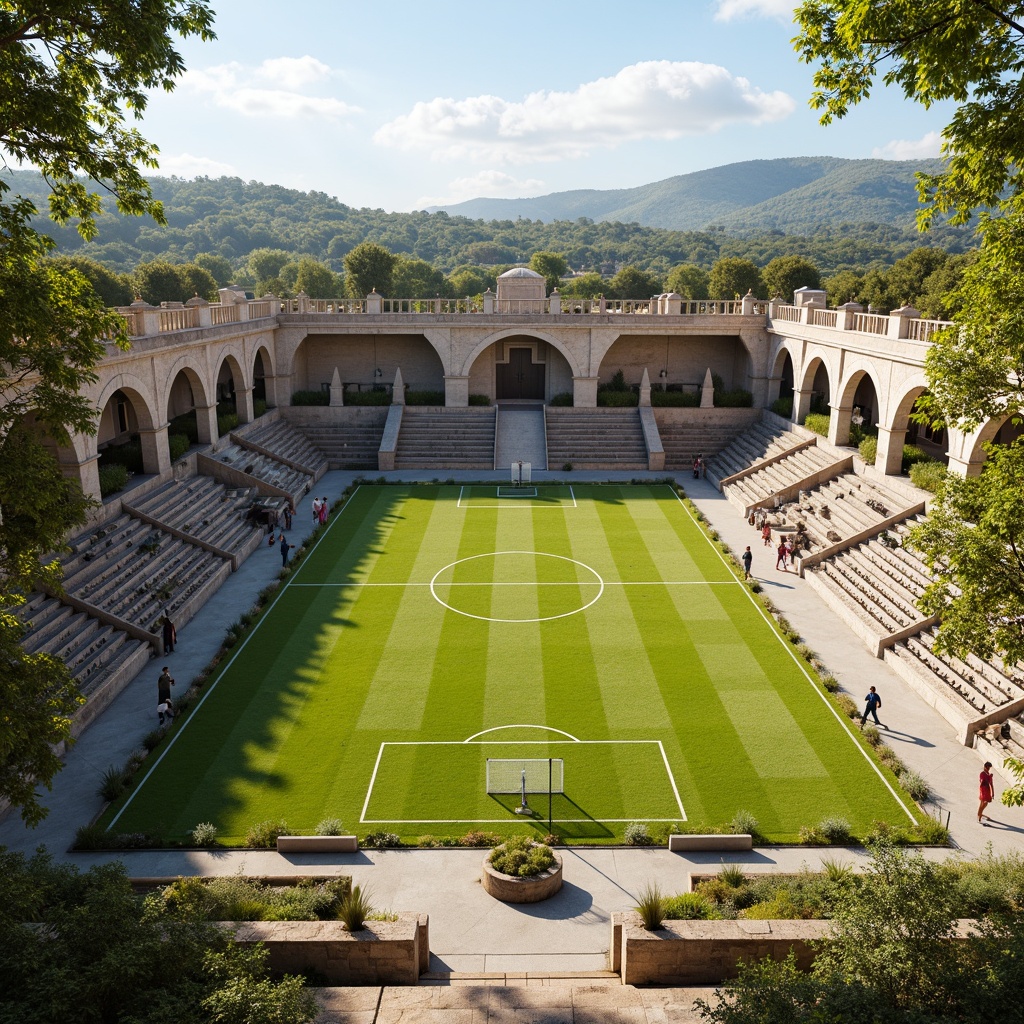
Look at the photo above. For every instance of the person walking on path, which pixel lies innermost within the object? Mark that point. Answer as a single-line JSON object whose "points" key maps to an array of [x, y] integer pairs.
{"points": [[170, 633], [872, 702], [285, 547], [766, 535], [288, 513], [790, 550], [316, 511], [986, 792], [780, 561], [324, 508], [163, 686], [747, 558]]}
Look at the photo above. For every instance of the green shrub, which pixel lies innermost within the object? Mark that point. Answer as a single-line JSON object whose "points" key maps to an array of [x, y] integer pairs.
{"points": [[890, 759], [872, 735], [329, 827], [617, 383], [355, 909], [811, 835], [178, 444], [382, 840], [847, 705], [128, 455], [521, 857], [263, 835], [204, 834], [930, 832], [236, 898], [912, 455], [675, 399], [226, 422], [479, 840], [152, 739], [426, 398], [479, 400], [744, 823], [651, 907], [835, 829], [375, 397], [688, 906], [112, 479], [928, 475], [779, 907], [915, 785], [732, 876], [563, 398], [738, 398], [783, 407], [868, 449], [818, 422], [319, 397], [259, 407], [113, 783], [830, 683], [617, 399], [636, 834]]}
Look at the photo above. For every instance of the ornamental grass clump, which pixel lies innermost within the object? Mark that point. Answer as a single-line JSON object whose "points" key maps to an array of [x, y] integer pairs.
{"points": [[650, 906], [521, 857]]}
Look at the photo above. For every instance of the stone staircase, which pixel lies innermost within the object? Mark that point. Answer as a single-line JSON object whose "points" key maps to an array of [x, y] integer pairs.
{"points": [[239, 466], [762, 441], [683, 441], [436, 437], [352, 445], [281, 440], [101, 658], [595, 438], [206, 511], [520, 436]]}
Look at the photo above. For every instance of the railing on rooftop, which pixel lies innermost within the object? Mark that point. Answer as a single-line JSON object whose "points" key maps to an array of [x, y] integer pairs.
{"points": [[903, 324]]}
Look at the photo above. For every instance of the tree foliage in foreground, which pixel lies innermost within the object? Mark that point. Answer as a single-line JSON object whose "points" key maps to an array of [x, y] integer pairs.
{"points": [[69, 72], [891, 959], [106, 956]]}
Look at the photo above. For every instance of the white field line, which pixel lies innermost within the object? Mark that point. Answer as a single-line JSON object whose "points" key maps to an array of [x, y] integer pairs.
{"points": [[514, 502], [227, 665], [363, 820], [539, 583], [800, 664]]}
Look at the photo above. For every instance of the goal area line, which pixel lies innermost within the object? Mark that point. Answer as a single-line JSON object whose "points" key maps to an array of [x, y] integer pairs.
{"points": [[505, 498]]}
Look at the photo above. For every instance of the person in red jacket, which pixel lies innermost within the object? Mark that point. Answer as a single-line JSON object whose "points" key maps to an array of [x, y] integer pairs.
{"points": [[986, 791]]}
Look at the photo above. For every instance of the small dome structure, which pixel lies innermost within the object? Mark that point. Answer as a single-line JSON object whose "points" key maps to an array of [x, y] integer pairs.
{"points": [[520, 272], [521, 284]]}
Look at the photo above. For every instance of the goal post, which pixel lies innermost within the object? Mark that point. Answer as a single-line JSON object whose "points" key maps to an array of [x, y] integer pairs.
{"points": [[522, 473], [543, 775]]}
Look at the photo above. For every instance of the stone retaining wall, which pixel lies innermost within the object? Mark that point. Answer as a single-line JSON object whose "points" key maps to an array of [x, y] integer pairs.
{"points": [[383, 953]]}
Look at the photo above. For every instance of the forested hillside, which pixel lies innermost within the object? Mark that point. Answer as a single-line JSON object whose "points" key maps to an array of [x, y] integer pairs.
{"points": [[230, 218], [796, 194]]}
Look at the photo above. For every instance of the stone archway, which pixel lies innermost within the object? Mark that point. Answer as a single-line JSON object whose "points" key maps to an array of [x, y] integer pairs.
{"points": [[782, 384], [233, 400], [128, 422], [855, 405], [815, 391], [519, 367]]}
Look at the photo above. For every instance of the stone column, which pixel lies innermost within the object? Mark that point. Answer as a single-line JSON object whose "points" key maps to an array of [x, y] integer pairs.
{"points": [[969, 466], [555, 302], [839, 424], [203, 307], [206, 423], [584, 392], [899, 321], [243, 405], [889, 459], [707, 391], [456, 391], [374, 303], [747, 303], [846, 314], [801, 404], [488, 301], [398, 389], [156, 452], [673, 304], [88, 476]]}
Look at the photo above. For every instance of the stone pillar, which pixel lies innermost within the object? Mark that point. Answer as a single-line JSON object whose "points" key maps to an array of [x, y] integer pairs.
{"points": [[337, 390], [206, 423], [889, 459], [839, 424], [602, 304], [243, 405], [801, 404], [156, 452], [88, 476], [146, 319], [555, 302], [205, 316], [584, 392], [645, 389], [846, 314], [970, 466], [488, 301], [374, 303], [707, 392], [747, 303], [673, 304], [899, 321], [456, 391], [398, 389]]}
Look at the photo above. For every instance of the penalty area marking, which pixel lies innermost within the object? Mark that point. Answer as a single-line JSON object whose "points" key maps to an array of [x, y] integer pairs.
{"points": [[363, 820], [524, 725], [516, 502]]}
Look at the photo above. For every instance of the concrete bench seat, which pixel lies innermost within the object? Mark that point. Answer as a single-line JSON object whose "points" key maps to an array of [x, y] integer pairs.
{"points": [[681, 844], [317, 844]]}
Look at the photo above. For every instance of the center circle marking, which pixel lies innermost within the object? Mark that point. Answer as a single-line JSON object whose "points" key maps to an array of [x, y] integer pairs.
{"points": [[597, 581]]}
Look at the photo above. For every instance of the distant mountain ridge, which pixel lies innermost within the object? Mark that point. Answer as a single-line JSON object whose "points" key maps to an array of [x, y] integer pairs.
{"points": [[791, 194]]}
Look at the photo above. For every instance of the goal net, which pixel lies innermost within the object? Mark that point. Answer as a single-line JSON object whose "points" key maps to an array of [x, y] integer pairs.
{"points": [[505, 775]]}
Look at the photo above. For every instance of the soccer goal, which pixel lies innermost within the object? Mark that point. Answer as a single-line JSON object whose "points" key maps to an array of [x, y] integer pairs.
{"points": [[522, 473], [542, 775]]}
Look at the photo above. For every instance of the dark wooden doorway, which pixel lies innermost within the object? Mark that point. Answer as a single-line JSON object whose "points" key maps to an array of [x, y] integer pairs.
{"points": [[520, 377]]}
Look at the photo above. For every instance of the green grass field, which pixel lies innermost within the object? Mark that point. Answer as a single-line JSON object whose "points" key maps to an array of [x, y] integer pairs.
{"points": [[433, 627]]}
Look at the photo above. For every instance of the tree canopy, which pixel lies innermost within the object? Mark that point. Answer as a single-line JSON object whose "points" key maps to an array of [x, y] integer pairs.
{"points": [[369, 267]]}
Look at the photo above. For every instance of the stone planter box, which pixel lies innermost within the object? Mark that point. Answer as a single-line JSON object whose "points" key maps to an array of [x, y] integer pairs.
{"points": [[383, 953], [684, 953], [317, 844], [510, 889]]}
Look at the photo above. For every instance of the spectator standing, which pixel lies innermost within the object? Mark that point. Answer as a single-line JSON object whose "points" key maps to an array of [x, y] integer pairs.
{"points": [[747, 559], [324, 509], [316, 511], [780, 560], [986, 792], [285, 547], [872, 702], [163, 686], [170, 633], [766, 535]]}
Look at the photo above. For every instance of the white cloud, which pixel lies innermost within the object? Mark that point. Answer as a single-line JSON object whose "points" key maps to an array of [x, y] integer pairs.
{"points": [[650, 100], [245, 90], [185, 165], [926, 147], [492, 184], [728, 10]]}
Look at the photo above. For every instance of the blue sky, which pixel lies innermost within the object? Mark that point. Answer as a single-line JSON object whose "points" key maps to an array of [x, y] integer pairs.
{"points": [[404, 104]]}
